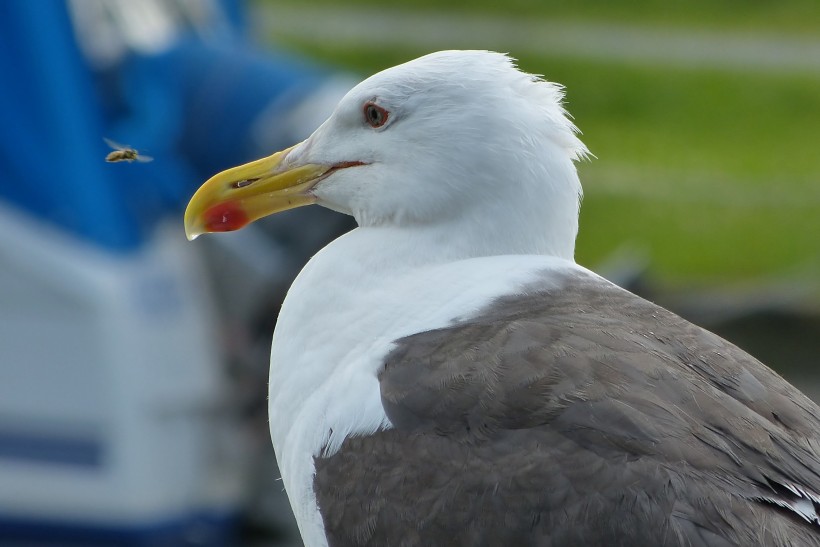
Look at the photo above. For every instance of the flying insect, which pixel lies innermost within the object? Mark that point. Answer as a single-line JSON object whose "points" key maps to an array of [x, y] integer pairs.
{"points": [[124, 153]]}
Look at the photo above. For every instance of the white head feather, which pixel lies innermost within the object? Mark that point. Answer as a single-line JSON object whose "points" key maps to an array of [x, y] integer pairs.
{"points": [[468, 137]]}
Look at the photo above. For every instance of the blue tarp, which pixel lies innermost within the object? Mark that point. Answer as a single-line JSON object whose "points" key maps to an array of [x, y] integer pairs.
{"points": [[189, 106]]}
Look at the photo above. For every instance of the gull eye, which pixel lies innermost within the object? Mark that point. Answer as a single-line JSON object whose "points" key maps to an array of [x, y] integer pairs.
{"points": [[374, 115]]}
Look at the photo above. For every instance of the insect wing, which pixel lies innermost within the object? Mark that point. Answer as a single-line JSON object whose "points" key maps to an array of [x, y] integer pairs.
{"points": [[115, 145]]}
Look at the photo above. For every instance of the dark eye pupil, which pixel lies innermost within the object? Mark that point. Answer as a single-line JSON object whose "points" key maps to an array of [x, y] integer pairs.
{"points": [[375, 115]]}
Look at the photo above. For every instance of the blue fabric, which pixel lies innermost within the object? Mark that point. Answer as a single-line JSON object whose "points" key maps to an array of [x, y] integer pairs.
{"points": [[204, 529], [50, 145], [52, 448], [190, 107]]}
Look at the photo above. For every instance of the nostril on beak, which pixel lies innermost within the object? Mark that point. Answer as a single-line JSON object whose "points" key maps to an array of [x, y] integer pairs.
{"points": [[243, 183]]}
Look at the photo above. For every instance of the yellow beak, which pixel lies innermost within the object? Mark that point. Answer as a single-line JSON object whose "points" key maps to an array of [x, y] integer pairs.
{"points": [[238, 196]]}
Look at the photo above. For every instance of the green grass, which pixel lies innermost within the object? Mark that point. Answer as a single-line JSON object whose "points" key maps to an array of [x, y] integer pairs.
{"points": [[714, 175], [783, 16]]}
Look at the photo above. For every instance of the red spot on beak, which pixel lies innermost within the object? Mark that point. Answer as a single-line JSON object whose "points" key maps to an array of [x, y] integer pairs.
{"points": [[225, 217]]}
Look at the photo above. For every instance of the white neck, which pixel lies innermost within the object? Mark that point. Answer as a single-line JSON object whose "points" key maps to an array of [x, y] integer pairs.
{"points": [[529, 207]]}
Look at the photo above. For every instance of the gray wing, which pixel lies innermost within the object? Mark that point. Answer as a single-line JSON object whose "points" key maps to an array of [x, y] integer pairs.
{"points": [[585, 416]]}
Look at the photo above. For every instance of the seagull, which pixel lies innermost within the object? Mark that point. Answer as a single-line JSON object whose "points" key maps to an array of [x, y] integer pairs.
{"points": [[446, 374]]}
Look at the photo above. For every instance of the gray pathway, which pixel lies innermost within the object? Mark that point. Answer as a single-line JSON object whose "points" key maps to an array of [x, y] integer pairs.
{"points": [[432, 30]]}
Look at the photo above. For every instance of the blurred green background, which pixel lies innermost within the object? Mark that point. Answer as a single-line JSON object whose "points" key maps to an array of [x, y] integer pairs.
{"points": [[704, 117]]}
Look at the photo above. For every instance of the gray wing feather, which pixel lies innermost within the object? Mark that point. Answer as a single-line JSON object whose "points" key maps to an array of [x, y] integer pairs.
{"points": [[580, 416]]}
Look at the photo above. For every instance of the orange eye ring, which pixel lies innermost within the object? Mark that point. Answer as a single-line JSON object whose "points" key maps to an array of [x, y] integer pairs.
{"points": [[374, 115]]}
